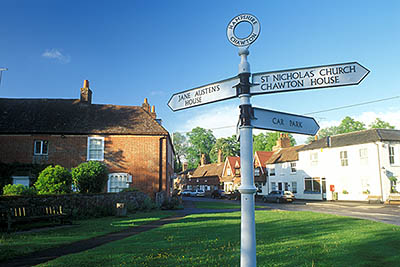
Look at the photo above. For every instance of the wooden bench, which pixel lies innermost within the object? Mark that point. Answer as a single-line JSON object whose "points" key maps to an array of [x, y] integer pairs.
{"points": [[395, 198], [374, 199], [12, 215]]}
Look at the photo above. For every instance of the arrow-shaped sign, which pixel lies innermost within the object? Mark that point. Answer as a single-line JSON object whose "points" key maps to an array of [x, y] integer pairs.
{"points": [[284, 122], [212, 92], [308, 78]]}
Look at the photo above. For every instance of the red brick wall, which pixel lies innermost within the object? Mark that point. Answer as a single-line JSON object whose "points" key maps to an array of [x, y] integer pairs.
{"points": [[68, 151], [136, 155]]}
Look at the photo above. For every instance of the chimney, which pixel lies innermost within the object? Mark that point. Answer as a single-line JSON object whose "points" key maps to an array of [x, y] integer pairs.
{"points": [[153, 112], [203, 160], [146, 105], [282, 142], [219, 156], [184, 166], [86, 93]]}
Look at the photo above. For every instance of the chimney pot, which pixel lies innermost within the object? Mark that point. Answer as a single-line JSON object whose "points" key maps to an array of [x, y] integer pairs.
{"points": [[86, 93]]}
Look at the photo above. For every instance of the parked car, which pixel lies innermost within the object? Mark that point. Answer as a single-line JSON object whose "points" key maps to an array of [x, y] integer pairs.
{"points": [[187, 193], [218, 193], [235, 195], [199, 193], [279, 196]]}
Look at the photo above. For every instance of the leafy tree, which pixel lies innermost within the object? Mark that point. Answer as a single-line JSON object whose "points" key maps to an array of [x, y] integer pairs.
{"points": [[229, 146], [201, 141], [180, 146], [90, 177], [54, 180], [378, 123], [348, 125], [18, 190], [265, 142]]}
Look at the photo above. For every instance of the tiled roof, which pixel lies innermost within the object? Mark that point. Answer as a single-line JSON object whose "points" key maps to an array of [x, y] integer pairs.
{"points": [[263, 156], [209, 170], [70, 116], [234, 161], [355, 138], [285, 155]]}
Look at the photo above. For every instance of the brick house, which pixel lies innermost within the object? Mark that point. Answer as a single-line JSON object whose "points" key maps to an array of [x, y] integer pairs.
{"points": [[129, 139], [206, 176], [231, 174]]}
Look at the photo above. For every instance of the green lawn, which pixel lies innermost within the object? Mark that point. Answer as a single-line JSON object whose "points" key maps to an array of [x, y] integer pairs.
{"points": [[12, 245], [212, 205], [283, 239]]}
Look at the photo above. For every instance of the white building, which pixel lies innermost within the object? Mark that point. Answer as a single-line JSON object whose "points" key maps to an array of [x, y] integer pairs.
{"points": [[354, 166]]}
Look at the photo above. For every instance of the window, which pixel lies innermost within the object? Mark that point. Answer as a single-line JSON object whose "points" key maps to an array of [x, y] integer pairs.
{"points": [[273, 186], [271, 171], [294, 187], [286, 186], [257, 172], [118, 181], [228, 172], [312, 184], [96, 148], [237, 171], [24, 180], [293, 167], [363, 156], [343, 158], [391, 154], [41, 147], [314, 158]]}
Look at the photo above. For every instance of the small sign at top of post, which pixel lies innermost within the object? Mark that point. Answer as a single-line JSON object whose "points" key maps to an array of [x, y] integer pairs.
{"points": [[255, 30]]}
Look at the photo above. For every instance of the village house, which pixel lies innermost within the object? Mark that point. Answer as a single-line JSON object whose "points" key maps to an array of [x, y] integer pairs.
{"points": [[261, 171], [206, 176], [130, 140], [231, 177], [356, 166], [182, 178]]}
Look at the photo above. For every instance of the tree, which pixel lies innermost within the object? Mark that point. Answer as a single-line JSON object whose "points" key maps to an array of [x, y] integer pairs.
{"points": [[180, 146], [229, 147], [380, 124], [90, 177], [54, 180], [348, 125], [265, 142], [201, 141]]}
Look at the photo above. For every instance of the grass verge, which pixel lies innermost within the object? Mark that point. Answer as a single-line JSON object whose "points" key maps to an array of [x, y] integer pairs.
{"points": [[283, 239], [17, 244]]}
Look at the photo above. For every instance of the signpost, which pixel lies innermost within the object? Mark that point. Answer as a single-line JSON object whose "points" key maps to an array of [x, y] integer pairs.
{"points": [[263, 83], [1, 71], [308, 78], [283, 122], [209, 93]]}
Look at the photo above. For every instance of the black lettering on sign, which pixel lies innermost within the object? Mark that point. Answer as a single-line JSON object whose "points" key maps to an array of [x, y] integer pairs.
{"points": [[297, 124], [183, 97], [278, 121]]}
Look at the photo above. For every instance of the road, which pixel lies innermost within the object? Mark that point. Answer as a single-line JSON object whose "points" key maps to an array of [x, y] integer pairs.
{"points": [[376, 212]]}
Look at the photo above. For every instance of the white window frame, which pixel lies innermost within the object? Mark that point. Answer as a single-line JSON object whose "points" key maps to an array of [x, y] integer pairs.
{"points": [[126, 179], [314, 158], [392, 154], [102, 148], [344, 158], [42, 145], [273, 186], [228, 172], [294, 187], [24, 180], [363, 156], [293, 167], [271, 170], [313, 180]]}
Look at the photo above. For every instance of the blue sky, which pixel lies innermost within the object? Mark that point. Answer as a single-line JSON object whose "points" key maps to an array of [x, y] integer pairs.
{"points": [[130, 50]]}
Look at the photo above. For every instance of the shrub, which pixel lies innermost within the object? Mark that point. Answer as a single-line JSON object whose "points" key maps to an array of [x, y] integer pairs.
{"points": [[54, 180], [130, 189], [18, 190], [90, 177]]}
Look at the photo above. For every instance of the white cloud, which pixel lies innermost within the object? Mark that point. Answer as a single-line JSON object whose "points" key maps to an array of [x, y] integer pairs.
{"points": [[221, 120], [56, 54]]}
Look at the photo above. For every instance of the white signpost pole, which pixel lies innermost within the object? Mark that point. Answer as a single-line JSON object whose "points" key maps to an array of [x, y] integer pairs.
{"points": [[247, 188]]}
